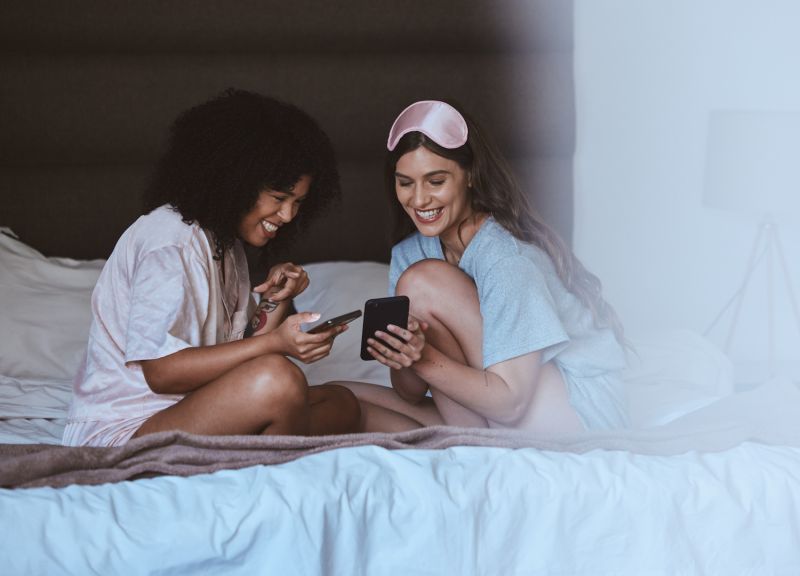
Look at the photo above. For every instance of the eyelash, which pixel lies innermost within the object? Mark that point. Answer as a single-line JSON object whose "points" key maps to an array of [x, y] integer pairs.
{"points": [[432, 182], [280, 200]]}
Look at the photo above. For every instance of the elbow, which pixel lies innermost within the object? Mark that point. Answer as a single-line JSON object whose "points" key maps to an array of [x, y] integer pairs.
{"points": [[155, 377]]}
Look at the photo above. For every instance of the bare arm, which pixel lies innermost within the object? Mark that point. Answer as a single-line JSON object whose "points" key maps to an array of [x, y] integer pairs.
{"points": [[501, 393], [191, 368]]}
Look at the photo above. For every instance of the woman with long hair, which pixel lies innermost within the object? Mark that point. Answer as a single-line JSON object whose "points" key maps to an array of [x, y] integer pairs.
{"points": [[507, 329]]}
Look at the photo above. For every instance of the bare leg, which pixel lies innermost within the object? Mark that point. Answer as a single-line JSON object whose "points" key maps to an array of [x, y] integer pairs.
{"points": [[382, 410], [334, 410], [267, 395], [379, 419], [447, 299]]}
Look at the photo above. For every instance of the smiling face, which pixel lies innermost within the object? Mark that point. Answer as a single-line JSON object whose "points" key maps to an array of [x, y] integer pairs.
{"points": [[273, 209], [433, 191]]}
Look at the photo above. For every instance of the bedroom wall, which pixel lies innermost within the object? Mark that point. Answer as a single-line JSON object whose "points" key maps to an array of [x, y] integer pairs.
{"points": [[89, 88], [647, 73]]}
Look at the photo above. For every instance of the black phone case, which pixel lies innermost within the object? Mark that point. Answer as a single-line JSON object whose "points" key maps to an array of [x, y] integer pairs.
{"points": [[378, 314], [342, 319]]}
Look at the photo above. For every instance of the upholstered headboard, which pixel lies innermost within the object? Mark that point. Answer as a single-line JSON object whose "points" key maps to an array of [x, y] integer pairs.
{"points": [[90, 87]]}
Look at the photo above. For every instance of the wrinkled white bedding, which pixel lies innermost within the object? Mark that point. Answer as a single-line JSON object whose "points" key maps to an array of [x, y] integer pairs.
{"points": [[728, 509], [460, 511]]}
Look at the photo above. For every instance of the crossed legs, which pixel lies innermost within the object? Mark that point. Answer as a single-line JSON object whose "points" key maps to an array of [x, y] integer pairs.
{"points": [[445, 298], [267, 395]]}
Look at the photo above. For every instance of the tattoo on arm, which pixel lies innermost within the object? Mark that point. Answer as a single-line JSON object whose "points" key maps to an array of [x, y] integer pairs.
{"points": [[259, 319]]}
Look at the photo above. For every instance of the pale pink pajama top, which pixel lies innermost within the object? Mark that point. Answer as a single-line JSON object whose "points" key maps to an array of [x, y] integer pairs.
{"points": [[161, 291]]}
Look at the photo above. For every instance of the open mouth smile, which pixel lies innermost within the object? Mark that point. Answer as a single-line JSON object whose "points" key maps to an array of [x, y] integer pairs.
{"points": [[270, 228], [427, 216]]}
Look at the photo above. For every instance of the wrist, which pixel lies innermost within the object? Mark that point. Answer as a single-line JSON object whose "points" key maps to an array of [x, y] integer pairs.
{"points": [[270, 343]]}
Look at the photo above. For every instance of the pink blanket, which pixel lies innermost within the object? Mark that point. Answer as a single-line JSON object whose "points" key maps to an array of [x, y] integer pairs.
{"points": [[181, 454]]}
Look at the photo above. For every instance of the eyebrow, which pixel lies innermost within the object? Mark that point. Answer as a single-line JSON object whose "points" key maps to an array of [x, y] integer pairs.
{"points": [[287, 192], [426, 175]]}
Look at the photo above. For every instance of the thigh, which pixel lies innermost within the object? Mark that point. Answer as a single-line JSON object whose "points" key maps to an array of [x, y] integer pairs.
{"points": [[245, 400]]}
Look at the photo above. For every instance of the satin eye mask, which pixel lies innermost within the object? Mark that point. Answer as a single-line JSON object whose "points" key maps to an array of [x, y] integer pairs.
{"points": [[437, 120]]}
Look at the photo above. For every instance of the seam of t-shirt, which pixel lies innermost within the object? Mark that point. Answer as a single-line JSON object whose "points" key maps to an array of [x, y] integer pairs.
{"points": [[509, 352]]}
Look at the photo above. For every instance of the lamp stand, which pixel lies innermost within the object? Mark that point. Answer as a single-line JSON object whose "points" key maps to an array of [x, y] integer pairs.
{"points": [[767, 245]]}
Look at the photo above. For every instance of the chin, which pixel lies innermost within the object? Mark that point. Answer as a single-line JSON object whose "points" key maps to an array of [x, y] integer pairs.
{"points": [[428, 231], [255, 241]]}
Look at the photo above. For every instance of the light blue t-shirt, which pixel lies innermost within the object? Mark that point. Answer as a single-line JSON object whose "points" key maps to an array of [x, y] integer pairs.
{"points": [[525, 307]]}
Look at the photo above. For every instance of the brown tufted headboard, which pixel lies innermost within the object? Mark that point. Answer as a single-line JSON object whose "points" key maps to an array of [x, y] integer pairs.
{"points": [[89, 88]]}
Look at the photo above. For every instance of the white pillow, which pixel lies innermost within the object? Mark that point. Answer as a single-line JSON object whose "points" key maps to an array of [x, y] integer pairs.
{"points": [[336, 288], [672, 374], [44, 311]]}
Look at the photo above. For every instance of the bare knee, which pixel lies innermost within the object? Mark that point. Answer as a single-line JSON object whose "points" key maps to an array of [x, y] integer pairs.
{"points": [[424, 282], [275, 381], [427, 282]]}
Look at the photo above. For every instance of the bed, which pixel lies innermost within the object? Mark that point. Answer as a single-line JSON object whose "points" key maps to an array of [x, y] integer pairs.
{"points": [[706, 482]]}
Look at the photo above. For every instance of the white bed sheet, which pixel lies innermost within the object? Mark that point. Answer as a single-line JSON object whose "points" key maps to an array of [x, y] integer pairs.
{"points": [[367, 510], [462, 511]]}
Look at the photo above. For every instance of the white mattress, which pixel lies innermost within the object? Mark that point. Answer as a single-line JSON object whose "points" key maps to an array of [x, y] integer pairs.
{"points": [[726, 508], [462, 511]]}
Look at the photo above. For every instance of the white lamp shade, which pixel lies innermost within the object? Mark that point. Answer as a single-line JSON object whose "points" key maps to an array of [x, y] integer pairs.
{"points": [[753, 162]]}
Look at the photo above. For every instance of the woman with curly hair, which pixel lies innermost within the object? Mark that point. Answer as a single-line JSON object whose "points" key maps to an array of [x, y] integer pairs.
{"points": [[176, 341], [507, 328]]}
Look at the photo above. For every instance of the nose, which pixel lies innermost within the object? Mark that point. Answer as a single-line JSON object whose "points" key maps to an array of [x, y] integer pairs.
{"points": [[419, 198], [287, 212]]}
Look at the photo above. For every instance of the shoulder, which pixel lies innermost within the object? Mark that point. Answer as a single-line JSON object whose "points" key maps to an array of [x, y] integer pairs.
{"points": [[164, 228], [163, 235], [500, 258], [494, 248]]}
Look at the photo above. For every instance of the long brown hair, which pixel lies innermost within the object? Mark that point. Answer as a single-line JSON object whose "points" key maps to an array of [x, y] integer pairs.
{"points": [[495, 191]]}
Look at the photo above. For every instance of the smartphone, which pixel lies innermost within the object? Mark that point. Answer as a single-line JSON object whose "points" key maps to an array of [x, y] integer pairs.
{"points": [[378, 314], [337, 321]]}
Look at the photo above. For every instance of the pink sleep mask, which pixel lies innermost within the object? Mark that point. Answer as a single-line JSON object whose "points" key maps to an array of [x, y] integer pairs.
{"points": [[437, 120]]}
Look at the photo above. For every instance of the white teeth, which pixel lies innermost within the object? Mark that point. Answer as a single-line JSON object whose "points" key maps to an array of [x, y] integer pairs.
{"points": [[269, 226], [428, 214]]}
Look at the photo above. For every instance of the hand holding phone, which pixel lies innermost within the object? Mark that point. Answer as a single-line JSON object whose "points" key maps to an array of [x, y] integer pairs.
{"points": [[337, 321], [378, 314]]}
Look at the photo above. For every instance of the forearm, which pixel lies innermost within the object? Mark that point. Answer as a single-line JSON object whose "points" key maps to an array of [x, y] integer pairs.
{"points": [[482, 391], [267, 316], [191, 368]]}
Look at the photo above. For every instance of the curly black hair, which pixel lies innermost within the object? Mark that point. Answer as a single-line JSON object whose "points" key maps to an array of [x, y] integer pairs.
{"points": [[223, 153]]}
